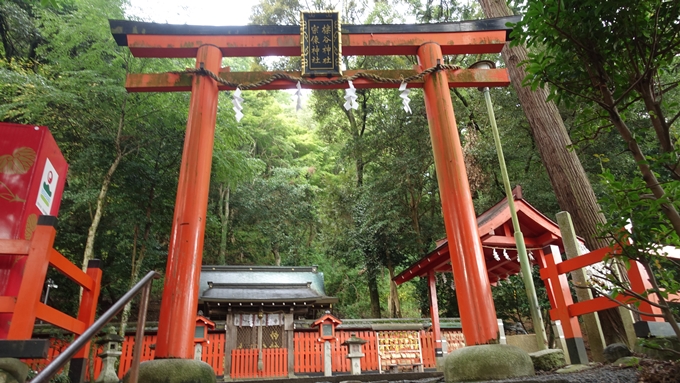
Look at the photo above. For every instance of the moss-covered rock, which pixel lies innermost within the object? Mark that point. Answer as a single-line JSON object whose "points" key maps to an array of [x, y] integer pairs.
{"points": [[627, 361], [487, 362], [174, 371], [573, 368], [547, 360], [13, 370]]}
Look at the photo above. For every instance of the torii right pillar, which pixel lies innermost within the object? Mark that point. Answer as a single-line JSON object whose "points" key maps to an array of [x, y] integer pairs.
{"points": [[473, 290]]}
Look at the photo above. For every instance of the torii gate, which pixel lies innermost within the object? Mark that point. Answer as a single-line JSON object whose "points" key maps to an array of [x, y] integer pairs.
{"points": [[210, 44]]}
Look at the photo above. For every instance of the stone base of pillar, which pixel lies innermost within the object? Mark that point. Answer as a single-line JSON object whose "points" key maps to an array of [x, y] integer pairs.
{"points": [[13, 370], [439, 363], [174, 371]]}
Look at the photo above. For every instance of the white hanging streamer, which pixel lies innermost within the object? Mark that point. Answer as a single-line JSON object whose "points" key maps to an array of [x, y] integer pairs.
{"points": [[531, 256], [298, 95], [495, 255], [351, 97], [405, 100], [237, 100], [505, 254]]}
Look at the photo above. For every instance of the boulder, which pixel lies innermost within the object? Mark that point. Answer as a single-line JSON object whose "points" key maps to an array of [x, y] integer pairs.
{"points": [[174, 371], [13, 370], [487, 362], [615, 351], [548, 360]]}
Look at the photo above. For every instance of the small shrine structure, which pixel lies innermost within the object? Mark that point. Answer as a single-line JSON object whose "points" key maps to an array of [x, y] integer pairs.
{"points": [[499, 249], [259, 305]]}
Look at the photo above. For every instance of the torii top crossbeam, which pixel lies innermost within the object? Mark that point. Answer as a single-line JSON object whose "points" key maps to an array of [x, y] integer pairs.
{"points": [[429, 42], [167, 40]]}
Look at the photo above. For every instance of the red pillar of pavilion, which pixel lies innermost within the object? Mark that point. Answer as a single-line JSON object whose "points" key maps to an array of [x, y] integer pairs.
{"points": [[475, 303], [180, 292]]}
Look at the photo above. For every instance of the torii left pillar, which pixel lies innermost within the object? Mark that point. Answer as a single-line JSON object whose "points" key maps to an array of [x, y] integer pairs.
{"points": [[180, 292]]}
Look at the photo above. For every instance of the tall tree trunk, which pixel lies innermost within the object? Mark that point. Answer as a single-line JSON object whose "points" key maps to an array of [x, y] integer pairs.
{"points": [[106, 182], [393, 305], [567, 176], [374, 294], [277, 255], [225, 191], [138, 256]]}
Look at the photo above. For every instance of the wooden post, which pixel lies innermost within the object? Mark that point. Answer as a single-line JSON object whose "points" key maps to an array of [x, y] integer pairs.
{"points": [[477, 311], [180, 292], [86, 314], [289, 331], [579, 278], [37, 261], [434, 315]]}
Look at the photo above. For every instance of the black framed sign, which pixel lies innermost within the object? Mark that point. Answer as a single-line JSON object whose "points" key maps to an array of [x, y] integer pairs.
{"points": [[321, 43]]}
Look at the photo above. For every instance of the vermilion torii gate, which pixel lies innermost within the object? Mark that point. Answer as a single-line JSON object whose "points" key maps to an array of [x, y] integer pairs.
{"points": [[429, 42]]}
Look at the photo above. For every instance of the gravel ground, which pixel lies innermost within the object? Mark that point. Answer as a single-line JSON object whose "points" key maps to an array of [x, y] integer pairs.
{"points": [[605, 374]]}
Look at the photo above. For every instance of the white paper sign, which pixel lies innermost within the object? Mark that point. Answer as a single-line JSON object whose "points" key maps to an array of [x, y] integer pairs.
{"points": [[47, 189]]}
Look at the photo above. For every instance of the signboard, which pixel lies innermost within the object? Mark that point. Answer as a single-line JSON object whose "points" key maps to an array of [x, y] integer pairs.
{"points": [[320, 44], [47, 188]]}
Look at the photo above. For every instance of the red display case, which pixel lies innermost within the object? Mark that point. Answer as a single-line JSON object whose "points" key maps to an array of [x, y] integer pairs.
{"points": [[32, 178]]}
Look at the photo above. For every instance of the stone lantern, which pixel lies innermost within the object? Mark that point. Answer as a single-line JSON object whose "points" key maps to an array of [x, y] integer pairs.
{"points": [[354, 345], [111, 342]]}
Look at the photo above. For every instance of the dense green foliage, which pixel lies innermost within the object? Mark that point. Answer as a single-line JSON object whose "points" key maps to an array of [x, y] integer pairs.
{"points": [[616, 64]]}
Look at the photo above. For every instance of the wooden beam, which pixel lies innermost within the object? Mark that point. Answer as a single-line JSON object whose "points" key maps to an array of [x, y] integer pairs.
{"points": [[186, 46], [14, 246], [70, 270], [59, 319], [181, 82], [509, 242], [24, 349], [168, 40]]}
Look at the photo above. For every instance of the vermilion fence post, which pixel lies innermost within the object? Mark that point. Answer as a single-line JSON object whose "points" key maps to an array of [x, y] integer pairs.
{"points": [[639, 282], [562, 299], [86, 314], [33, 279]]}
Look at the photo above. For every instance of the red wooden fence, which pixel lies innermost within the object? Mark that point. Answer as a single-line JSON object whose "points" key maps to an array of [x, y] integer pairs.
{"points": [[126, 358], [244, 363], [213, 352], [553, 272], [427, 345], [308, 354], [57, 346]]}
